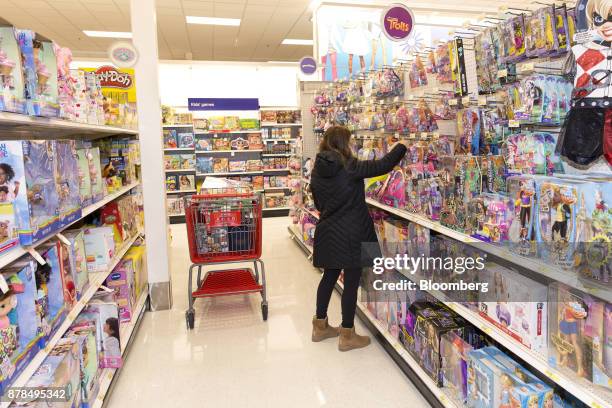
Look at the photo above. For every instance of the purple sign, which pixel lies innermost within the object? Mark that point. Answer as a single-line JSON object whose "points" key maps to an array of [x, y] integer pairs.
{"points": [[397, 22], [223, 104], [308, 65]]}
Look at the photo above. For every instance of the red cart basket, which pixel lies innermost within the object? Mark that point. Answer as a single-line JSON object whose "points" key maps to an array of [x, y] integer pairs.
{"points": [[224, 227]]}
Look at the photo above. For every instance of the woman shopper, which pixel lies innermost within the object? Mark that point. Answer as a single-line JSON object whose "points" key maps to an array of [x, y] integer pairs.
{"points": [[344, 225]]}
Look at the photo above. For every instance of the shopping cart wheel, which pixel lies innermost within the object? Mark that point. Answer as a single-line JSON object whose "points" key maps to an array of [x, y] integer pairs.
{"points": [[264, 311], [190, 317]]}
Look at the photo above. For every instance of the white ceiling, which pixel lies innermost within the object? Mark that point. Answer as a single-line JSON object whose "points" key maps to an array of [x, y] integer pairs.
{"points": [[265, 23]]}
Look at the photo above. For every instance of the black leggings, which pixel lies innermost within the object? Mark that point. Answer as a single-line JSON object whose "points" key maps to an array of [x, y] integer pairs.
{"points": [[349, 295]]}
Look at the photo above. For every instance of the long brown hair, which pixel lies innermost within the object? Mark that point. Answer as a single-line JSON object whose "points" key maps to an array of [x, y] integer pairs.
{"points": [[337, 139]]}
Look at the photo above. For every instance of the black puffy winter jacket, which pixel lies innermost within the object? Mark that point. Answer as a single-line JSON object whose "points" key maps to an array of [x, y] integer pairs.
{"points": [[339, 195]]}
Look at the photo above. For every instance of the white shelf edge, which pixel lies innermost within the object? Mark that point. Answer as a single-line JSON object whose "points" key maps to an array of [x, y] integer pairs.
{"points": [[277, 154], [272, 139], [176, 215], [14, 254], [226, 132], [276, 209], [180, 170], [276, 188], [281, 125], [416, 368], [228, 151], [10, 118], [276, 170], [297, 235], [94, 284], [126, 331], [181, 191], [533, 264], [237, 173], [177, 126], [179, 149]]}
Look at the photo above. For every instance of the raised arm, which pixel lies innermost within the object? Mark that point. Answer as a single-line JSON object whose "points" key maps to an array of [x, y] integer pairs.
{"points": [[363, 169]]}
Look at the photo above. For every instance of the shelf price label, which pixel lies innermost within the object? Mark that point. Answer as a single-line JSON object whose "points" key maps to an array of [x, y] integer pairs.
{"points": [[465, 100], [482, 100], [424, 135], [514, 123], [412, 136], [452, 102], [502, 73]]}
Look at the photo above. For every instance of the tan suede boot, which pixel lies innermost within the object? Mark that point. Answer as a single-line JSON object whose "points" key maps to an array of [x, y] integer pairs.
{"points": [[321, 330], [350, 340]]}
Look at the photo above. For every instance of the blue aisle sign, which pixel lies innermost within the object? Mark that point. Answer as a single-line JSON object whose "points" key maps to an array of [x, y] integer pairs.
{"points": [[223, 104]]}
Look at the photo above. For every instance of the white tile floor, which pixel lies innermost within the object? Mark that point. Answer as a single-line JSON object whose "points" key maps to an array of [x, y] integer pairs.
{"points": [[234, 359]]}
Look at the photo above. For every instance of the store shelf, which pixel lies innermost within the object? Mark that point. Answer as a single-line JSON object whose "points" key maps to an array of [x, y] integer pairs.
{"points": [[439, 393], [182, 192], [180, 170], [19, 251], [226, 132], [236, 173], [276, 209], [277, 154], [270, 124], [535, 265], [96, 279], [276, 170], [176, 215], [579, 387], [18, 126], [273, 139], [228, 151], [126, 332], [276, 188], [183, 125], [180, 149], [296, 236]]}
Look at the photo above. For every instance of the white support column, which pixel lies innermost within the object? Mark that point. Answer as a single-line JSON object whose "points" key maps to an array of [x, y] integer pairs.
{"points": [[144, 29]]}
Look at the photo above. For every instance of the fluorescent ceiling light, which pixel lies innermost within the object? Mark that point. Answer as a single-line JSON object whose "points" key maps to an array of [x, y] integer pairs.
{"points": [[108, 34], [213, 21], [293, 41]]}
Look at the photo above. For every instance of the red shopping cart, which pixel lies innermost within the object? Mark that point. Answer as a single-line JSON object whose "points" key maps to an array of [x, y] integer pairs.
{"points": [[224, 227]]}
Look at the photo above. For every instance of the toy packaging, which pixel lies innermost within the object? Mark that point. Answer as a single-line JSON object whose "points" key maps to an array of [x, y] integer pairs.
{"points": [[67, 181], [46, 73], [186, 182], [95, 174], [99, 248], [84, 333], [77, 259], [12, 91], [137, 256], [556, 220], [454, 352], [51, 292], [61, 369], [204, 164], [570, 343], [515, 305], [220, 165], [170, 139], [19, 322], [84, 177], [186, 140], [121, 280], [25, 39], [106, 313], [171, 182], [522, 202], [42, 215], [66, 89]]}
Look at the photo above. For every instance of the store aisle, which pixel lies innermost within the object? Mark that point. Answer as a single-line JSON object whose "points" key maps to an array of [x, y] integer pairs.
{"points": [[234, 359]]}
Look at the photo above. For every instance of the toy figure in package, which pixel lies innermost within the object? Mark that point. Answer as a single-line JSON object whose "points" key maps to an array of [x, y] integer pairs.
{"points": [[556, 226], [67, 181], [25, 40], [106, 312], [522, 192], [39, 214], [186, 140], [19, 322], [170, 139], [50, 299], [95, 174], [12, 97], [46, 73], [586, 135], [171, 182]]}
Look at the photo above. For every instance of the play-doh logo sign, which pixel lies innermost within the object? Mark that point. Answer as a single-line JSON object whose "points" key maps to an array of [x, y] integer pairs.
{"points": [[397, 22], [111, 77]]}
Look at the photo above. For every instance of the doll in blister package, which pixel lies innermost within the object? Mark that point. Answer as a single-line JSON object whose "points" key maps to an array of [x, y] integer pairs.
{"points": [[587, 133]]}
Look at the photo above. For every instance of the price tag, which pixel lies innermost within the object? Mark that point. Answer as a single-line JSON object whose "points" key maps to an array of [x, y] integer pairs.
{"points": [[502, 73], [396, 99], [34, 253], [596, 404], [436, 135], [482, 100], [465, 100], [424, 135], [452, 102], [412, 136], [396, 134], [514, 123], [554, 377], [487, 330], [382, 130], [528, 67]]}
